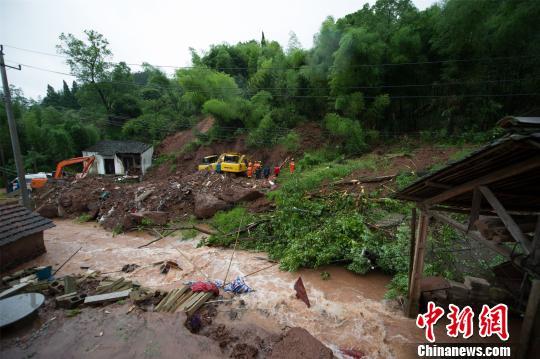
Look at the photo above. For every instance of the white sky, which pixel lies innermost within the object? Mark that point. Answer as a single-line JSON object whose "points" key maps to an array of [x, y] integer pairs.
{"points": [[159, 32]]}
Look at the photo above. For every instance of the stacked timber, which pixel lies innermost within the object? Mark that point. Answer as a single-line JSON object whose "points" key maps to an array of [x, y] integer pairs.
{"points": [[183, 299]]}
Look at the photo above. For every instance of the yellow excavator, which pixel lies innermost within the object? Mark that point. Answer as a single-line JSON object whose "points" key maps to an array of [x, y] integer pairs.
{"points": [[208, 163], [228, 162]]}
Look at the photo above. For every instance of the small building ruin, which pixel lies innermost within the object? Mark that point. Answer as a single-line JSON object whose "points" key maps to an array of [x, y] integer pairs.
{"points": [[120, 157]]}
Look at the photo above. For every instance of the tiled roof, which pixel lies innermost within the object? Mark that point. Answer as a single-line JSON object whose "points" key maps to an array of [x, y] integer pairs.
{"points": [[16, 222], [110, 148]]}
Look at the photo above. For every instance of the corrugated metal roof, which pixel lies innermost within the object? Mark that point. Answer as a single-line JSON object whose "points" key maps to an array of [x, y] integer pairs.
{"points": [[16, 222], [519, 192], [110, 148]]}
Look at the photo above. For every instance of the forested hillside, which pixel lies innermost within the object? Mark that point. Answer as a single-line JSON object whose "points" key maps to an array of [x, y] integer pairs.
{"points": [[384, 71]]}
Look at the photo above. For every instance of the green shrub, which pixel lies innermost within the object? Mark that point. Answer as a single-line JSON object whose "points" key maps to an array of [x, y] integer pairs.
{"points": [[85, 217], [291, 142], [265, 134], [228, 222], [347, 131]]}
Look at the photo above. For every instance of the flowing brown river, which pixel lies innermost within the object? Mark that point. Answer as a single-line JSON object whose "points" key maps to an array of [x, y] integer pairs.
{"points": [[347, 310]]}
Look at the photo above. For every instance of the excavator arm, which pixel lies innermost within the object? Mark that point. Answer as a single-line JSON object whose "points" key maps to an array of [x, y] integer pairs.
{"points": [[86, 161]]}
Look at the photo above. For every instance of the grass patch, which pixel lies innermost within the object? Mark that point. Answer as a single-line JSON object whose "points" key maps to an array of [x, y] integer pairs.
{"points": [[228, 222], [83, 218], [188, 233]]}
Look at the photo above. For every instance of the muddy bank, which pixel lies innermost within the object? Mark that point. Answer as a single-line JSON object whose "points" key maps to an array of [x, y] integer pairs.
{"points": [[110, 333]]}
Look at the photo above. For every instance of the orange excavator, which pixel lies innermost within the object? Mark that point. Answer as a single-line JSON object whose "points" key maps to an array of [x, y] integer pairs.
{"points": [[86, 161]]}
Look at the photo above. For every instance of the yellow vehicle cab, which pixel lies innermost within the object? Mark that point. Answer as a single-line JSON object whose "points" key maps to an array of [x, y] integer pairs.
{"points": [[233, 162], [208, 163]]}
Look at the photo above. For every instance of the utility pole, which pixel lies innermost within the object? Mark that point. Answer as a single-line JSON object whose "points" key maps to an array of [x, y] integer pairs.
{"points": [[13, 131]]}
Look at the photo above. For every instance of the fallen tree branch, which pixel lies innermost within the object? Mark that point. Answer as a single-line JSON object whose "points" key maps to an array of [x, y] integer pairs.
{"points": [[246, 228], [161, 236], [365, 180]]}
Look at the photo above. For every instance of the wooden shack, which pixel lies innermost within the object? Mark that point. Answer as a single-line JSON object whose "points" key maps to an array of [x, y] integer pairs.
{"points": [[496, 191], [21, 234]]}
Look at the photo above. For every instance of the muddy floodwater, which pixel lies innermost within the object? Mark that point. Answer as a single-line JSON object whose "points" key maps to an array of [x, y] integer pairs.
{"points": [[347, 310]]}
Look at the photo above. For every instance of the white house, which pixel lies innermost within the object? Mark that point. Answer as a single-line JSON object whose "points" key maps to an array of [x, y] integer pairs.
{"points": [[120, 157]]}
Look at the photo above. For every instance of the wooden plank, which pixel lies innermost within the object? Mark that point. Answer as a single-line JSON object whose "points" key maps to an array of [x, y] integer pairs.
{"points": [[180, 301], [173, 295], [437, 185], [418, 266], [188, 303], [107, 287], [106, 297], [475, 208], [508, 221], [164, 300], [412, 242], [531, 323], [536, 243], [178, 295], [503, 173], [189, 311]]}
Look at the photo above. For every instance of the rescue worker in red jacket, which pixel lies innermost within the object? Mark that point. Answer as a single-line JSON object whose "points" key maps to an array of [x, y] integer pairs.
{"points": [[250, 169]]}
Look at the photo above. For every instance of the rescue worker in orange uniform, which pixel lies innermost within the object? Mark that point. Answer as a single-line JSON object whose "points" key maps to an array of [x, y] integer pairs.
{"points": [[257, 169], [250, 169], [291, 165]]}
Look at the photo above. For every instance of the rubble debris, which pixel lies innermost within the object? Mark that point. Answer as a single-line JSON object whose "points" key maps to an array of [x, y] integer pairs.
{"points": [[167, 265], [235, 195], [180, 195], [128, 268], [69, 285], [154, 217], [48, 210], [70, 300], [301, 291]]}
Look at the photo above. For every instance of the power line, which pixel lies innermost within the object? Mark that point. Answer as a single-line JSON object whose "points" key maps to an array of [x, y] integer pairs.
{"points": [[482, 59], [247, 91]]}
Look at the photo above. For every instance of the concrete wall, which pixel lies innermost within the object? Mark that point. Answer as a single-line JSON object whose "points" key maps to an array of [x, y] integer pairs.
{"points": [[22, 250], [146, 159]]}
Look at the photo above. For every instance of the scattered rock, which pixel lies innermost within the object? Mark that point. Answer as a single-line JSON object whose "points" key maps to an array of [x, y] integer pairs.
{"points": [[244, 351], [206, 205], [48, 210], [236, 195]]}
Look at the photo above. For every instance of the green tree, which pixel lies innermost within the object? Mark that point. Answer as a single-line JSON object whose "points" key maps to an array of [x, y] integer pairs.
{"points": [[88, 60]]}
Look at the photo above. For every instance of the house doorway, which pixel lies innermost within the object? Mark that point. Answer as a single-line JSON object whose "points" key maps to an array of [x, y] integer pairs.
{"points": [[109, 166]]}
